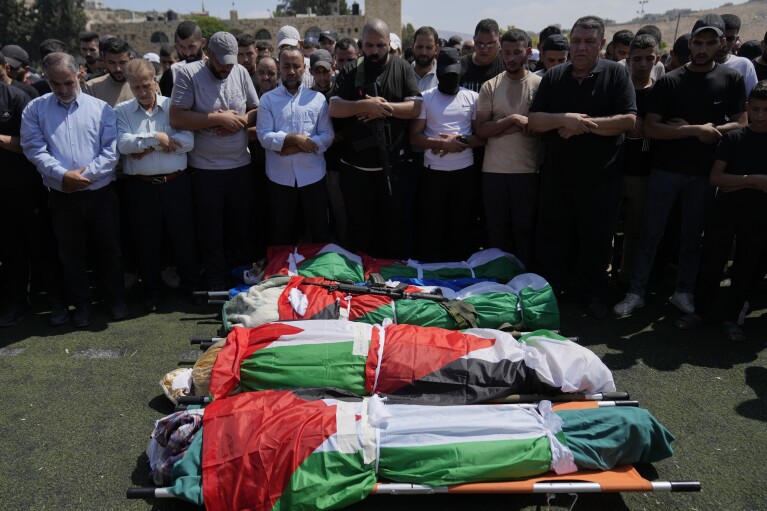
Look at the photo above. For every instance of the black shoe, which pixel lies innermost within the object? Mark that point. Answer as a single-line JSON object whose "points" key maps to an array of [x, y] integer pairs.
{"points": [[152, 304], [598, 310], [14, 315], [83, 316], [59, 314], [118, 310]]}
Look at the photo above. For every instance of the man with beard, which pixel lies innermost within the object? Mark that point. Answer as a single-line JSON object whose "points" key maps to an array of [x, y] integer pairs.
{"points": [[89, 49], [346, 52], [725, 54], [247, 55], [80, 172], [375, 97], [425, 49], [583, 107], [485, 62], [216, 99], [294, 127], [112, 87], [189, 43], [445, 130], [17, 62], [510, 168], [267, 74], [688, 111], [6, 78]]}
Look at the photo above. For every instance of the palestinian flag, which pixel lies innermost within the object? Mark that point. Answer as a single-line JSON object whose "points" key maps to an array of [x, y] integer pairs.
{"points": [[492, 263], [314, 260], [280, 450], [410, 363]]}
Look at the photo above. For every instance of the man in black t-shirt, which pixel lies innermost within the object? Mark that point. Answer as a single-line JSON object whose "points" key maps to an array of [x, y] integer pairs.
{"points": [[26, 237], [739, 214], [484, 62], [642, 57], [689, 110], [583, 108], [377, 92]]}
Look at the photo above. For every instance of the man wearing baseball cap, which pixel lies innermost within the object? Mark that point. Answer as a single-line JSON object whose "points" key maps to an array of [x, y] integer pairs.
{"points": [[688, 111], [328, 39], [17, 60], [289, 36], [216, 99]]}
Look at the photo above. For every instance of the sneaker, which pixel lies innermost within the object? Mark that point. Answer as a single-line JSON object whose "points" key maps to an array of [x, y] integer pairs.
{"points": [[683, 302], [629, 304]]}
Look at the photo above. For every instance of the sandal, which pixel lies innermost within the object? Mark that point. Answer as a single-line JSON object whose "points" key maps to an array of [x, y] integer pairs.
{"points": [[689, 322], [732, 332]]}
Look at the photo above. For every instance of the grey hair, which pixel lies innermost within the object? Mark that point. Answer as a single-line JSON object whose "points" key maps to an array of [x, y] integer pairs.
{"points": [[60, 60], [138, 68]]}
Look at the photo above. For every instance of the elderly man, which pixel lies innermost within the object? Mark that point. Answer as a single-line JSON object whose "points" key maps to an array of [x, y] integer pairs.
{"points": [[375, 97], [294, 127], [159, 191], [584, 108], [70, 137], [216, 99]]}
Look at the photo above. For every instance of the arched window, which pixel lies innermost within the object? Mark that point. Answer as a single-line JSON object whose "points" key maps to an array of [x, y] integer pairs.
{"points": [[263, 35], [159, 37]]}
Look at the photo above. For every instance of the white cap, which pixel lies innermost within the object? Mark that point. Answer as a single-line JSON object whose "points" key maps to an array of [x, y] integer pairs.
{"points": [[394, 41], [152, 57], [288, 36]]}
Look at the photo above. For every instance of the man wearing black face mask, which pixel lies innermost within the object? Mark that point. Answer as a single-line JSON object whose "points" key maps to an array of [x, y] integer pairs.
{"points": [[376, 91], [445, 129], [510, 167]]}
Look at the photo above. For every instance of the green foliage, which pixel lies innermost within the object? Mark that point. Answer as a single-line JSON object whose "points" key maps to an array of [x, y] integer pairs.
{"points": [[55, 19], [319, 7], [209, 25], [16, 25], [407, 36]]}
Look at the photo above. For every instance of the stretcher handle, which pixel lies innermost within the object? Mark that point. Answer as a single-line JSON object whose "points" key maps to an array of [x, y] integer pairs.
{"points": [[193, 400], [685, 486], [211, 294], [200, 340], [140, 493]]}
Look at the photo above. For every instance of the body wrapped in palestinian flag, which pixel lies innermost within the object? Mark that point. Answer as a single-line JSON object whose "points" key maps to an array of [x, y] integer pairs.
{"points": [[406, 362], [491, 264], [280, 450], [314, 260], [527, 302]]}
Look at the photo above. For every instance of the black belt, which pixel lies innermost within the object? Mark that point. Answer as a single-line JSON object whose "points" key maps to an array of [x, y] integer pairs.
{"points": [[159, 179]]}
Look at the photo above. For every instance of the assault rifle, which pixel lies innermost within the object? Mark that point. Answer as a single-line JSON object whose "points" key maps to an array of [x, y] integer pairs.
{"points": [[395, 293]]}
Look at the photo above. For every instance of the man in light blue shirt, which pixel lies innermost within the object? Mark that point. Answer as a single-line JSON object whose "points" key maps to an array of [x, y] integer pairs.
{"points": [[158, 191], [294, 127], [70, 138]]}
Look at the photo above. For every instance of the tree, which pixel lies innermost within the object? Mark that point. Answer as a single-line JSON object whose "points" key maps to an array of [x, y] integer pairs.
{"points": [[407, 36], [16, 27], [56, 19], [319, 7], [209, 25]]}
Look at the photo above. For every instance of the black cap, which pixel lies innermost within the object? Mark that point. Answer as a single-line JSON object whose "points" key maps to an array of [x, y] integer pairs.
{"points": [[709, 22], [311, 42], [321, 58], [15, 55], [555, 42], [448, 61], [331, 35]]}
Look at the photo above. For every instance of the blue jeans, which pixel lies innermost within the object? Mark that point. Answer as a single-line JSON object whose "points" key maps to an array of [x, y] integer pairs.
{"points": [[663, 190]]}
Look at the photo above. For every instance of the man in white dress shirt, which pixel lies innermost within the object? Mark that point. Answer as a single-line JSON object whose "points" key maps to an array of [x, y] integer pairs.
{"points": [[158, 191]]}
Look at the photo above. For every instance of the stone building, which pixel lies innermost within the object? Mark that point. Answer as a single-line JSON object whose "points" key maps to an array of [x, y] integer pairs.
{"points": [[147, 36]]}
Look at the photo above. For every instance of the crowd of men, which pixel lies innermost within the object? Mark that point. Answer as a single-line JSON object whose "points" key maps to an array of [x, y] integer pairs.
{"points": [[180, 167]]}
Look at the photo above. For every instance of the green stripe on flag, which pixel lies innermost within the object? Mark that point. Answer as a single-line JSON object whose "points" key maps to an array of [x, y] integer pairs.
{"points": [[398, 270], [459, 463], [332, 265], [377, 316], [502, 269], [305, 365], [328, 480], [495, 309]]}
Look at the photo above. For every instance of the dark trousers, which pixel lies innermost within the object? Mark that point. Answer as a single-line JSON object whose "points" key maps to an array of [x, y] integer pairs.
{"points": [[88, 223], [222, 203], [750, 235], [376, 219], [446, 208], [259, 208], [588, 211], [284, 204], [511, 205], [27, 244], [157, 209]]}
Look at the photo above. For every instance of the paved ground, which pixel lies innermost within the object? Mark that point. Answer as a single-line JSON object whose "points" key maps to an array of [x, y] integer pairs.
{"points": [[79, 407]]}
